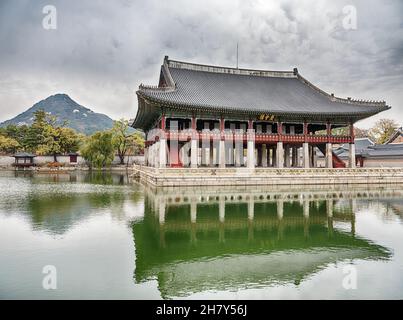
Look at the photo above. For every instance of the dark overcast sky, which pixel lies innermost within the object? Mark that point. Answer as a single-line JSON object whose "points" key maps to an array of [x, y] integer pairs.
{"points": [[102, 50]]}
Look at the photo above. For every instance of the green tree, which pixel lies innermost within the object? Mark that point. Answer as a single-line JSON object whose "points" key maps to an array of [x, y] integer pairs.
{"points": [[44, 136], [8, 145], [58, 140], [35, 134], [382, 130], [15, 132], [136, 143], [98, 149], [124, 141], [120, 138]]}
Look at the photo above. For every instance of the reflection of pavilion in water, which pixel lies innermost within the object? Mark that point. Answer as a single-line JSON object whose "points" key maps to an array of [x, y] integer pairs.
{"points": [[195, 240]]}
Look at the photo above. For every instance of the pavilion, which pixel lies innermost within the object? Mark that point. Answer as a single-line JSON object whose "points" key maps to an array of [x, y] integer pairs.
{"points": [[212, 116]]}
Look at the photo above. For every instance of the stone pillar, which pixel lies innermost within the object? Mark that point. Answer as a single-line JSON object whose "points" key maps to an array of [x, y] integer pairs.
{"points": [[251, 154], [250, 146], [216, 151], [294, 157], [205, 148], [222, 154], [194, 153], [162, 153], [274, 156], [351, 158], [238, 149], [259, 156], [329, 158], [315, 157], [156, 154], [287, 156], [264, 156], [305, 154], [280, 155], [212, 155]]}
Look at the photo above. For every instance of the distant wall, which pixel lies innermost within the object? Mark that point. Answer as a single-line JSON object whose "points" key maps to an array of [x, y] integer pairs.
{"points": [[7, 161], [376, 163]]}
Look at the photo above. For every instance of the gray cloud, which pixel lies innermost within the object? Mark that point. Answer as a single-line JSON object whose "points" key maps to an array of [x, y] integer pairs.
{"points": [[102, 50]]}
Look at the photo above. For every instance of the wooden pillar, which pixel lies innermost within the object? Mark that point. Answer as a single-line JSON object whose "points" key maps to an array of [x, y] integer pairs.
{"points": [[163, 122]]}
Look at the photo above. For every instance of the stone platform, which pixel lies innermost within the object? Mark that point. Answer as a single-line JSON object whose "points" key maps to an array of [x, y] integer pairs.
{"points": [[171, 177]]}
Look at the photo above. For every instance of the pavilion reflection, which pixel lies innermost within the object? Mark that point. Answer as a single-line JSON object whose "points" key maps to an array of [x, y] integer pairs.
{"points": [[219, 239]]}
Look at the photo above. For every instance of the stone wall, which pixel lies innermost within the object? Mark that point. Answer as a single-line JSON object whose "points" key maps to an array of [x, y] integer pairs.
{"points": [[169, 177], [6, 162]]}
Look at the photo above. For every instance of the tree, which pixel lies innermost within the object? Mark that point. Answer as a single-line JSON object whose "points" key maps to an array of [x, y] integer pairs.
{"points": [[15, 132], [35, 134], [124, 141], [8, 145], [382, 130], [361, 133], [58, 140], [136, 143], [45, 137], [120, 138], [98, 149]]}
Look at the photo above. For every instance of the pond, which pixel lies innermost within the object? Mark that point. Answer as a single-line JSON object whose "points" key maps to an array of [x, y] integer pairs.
{"points": [[104, 236]]}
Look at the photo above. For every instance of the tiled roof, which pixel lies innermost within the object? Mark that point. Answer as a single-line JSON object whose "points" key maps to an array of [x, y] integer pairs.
{"points": [[384, 150], [24, 155], [230, 89]]}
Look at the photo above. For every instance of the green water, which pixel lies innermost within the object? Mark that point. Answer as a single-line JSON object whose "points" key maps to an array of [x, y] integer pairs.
{"points": [[113, 239]]}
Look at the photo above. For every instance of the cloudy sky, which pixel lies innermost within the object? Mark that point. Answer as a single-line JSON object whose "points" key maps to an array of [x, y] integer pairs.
{"points": [[102, 50]]}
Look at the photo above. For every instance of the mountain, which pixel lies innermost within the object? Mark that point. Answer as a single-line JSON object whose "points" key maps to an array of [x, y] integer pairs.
{"points": [[80, 118]]}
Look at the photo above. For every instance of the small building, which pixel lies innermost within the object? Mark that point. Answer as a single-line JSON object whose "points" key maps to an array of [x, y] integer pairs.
{"points": [[383, 155], [24, 160], [361, 145], [214, 116], [369, 154]]}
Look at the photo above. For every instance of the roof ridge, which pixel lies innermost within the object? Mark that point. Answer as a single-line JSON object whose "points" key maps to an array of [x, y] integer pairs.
{"points": [[334, 98], [229, 70]]}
